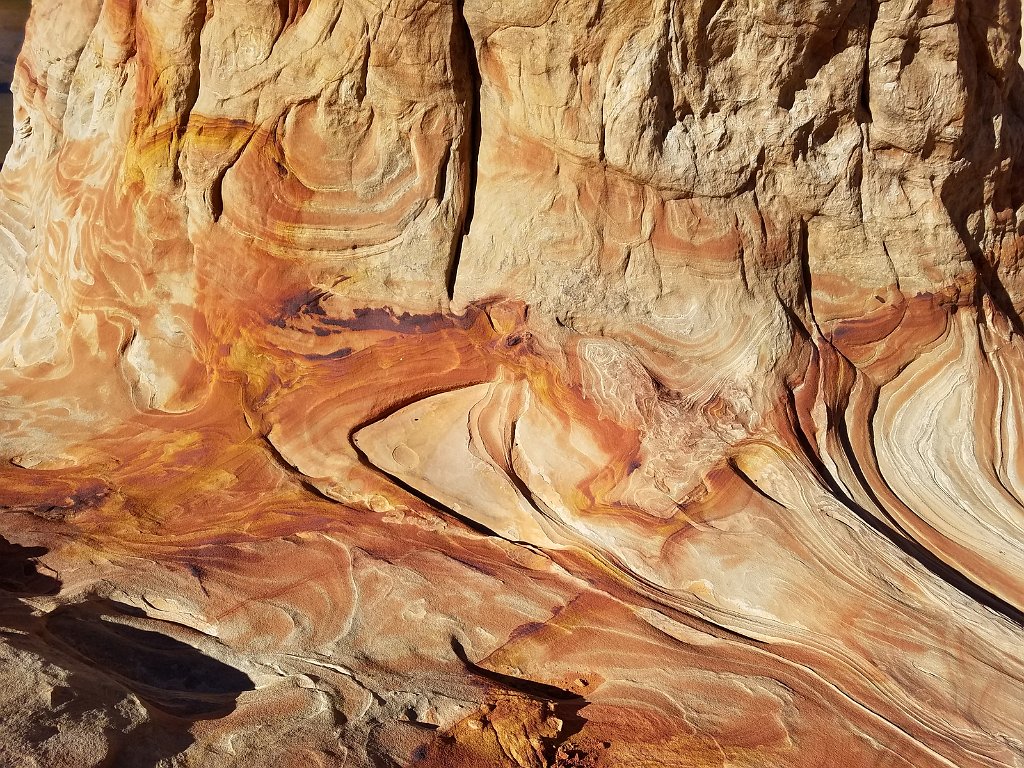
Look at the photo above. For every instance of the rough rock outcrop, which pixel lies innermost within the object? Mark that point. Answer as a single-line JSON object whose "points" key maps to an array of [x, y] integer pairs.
{"points": [[543, 383], [13, 14]]}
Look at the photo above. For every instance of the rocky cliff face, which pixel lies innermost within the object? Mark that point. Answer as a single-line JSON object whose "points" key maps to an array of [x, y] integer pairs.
{"points": [[538, 383], [13, 14]]}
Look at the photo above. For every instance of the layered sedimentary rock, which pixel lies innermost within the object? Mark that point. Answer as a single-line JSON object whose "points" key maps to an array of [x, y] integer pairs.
{"points": [[13, 14], [546, 383]]}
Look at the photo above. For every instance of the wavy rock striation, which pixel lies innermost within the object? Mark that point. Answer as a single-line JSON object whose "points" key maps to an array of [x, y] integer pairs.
{"points": [[550, 383]]}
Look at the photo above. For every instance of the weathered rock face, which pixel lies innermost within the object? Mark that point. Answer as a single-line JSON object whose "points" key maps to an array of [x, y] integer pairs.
{"points": [[13, 14], [539, 383]]}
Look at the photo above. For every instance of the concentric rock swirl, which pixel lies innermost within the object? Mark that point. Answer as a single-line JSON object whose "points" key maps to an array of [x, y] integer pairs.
{"points": [[529, 384]]}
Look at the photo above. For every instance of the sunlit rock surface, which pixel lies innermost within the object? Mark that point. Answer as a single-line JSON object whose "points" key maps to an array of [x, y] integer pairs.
{"points": [[577, 384]]}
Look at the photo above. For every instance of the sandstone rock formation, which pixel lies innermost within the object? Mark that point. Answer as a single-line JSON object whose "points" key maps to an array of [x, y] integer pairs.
{"points": [[13, 14], [536, 383]]}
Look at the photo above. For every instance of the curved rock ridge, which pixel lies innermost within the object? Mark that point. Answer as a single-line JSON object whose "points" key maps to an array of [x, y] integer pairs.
{"points": [[537, 384]]}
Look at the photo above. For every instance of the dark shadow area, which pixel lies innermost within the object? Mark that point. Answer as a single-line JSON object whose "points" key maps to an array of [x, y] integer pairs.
{"points": [[167, 673], [13, 16], [106, 659], [463, 51], [19, 571]]}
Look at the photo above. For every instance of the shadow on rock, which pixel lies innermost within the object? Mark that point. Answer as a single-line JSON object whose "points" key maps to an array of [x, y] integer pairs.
{"points": [[19, 572], [163, 671], [106, 663]]}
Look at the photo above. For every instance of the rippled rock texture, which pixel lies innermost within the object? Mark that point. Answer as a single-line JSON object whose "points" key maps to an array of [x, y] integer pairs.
{"points": [[542, 383], [13, 14]]}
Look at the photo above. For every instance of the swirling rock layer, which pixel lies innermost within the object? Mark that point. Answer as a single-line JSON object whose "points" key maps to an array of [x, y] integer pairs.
{"points": [[544, 383]]}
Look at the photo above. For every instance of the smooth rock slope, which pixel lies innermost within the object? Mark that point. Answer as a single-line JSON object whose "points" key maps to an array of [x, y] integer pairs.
{"points": [[547, 383]]}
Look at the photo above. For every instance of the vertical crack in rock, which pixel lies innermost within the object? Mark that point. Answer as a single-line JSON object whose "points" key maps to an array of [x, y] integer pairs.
{"points": [[465, 55], [864, 105], [195, 21]]}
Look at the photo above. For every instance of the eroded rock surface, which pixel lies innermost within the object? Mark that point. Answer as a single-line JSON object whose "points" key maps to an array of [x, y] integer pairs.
{"points": [[544, 383]]}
